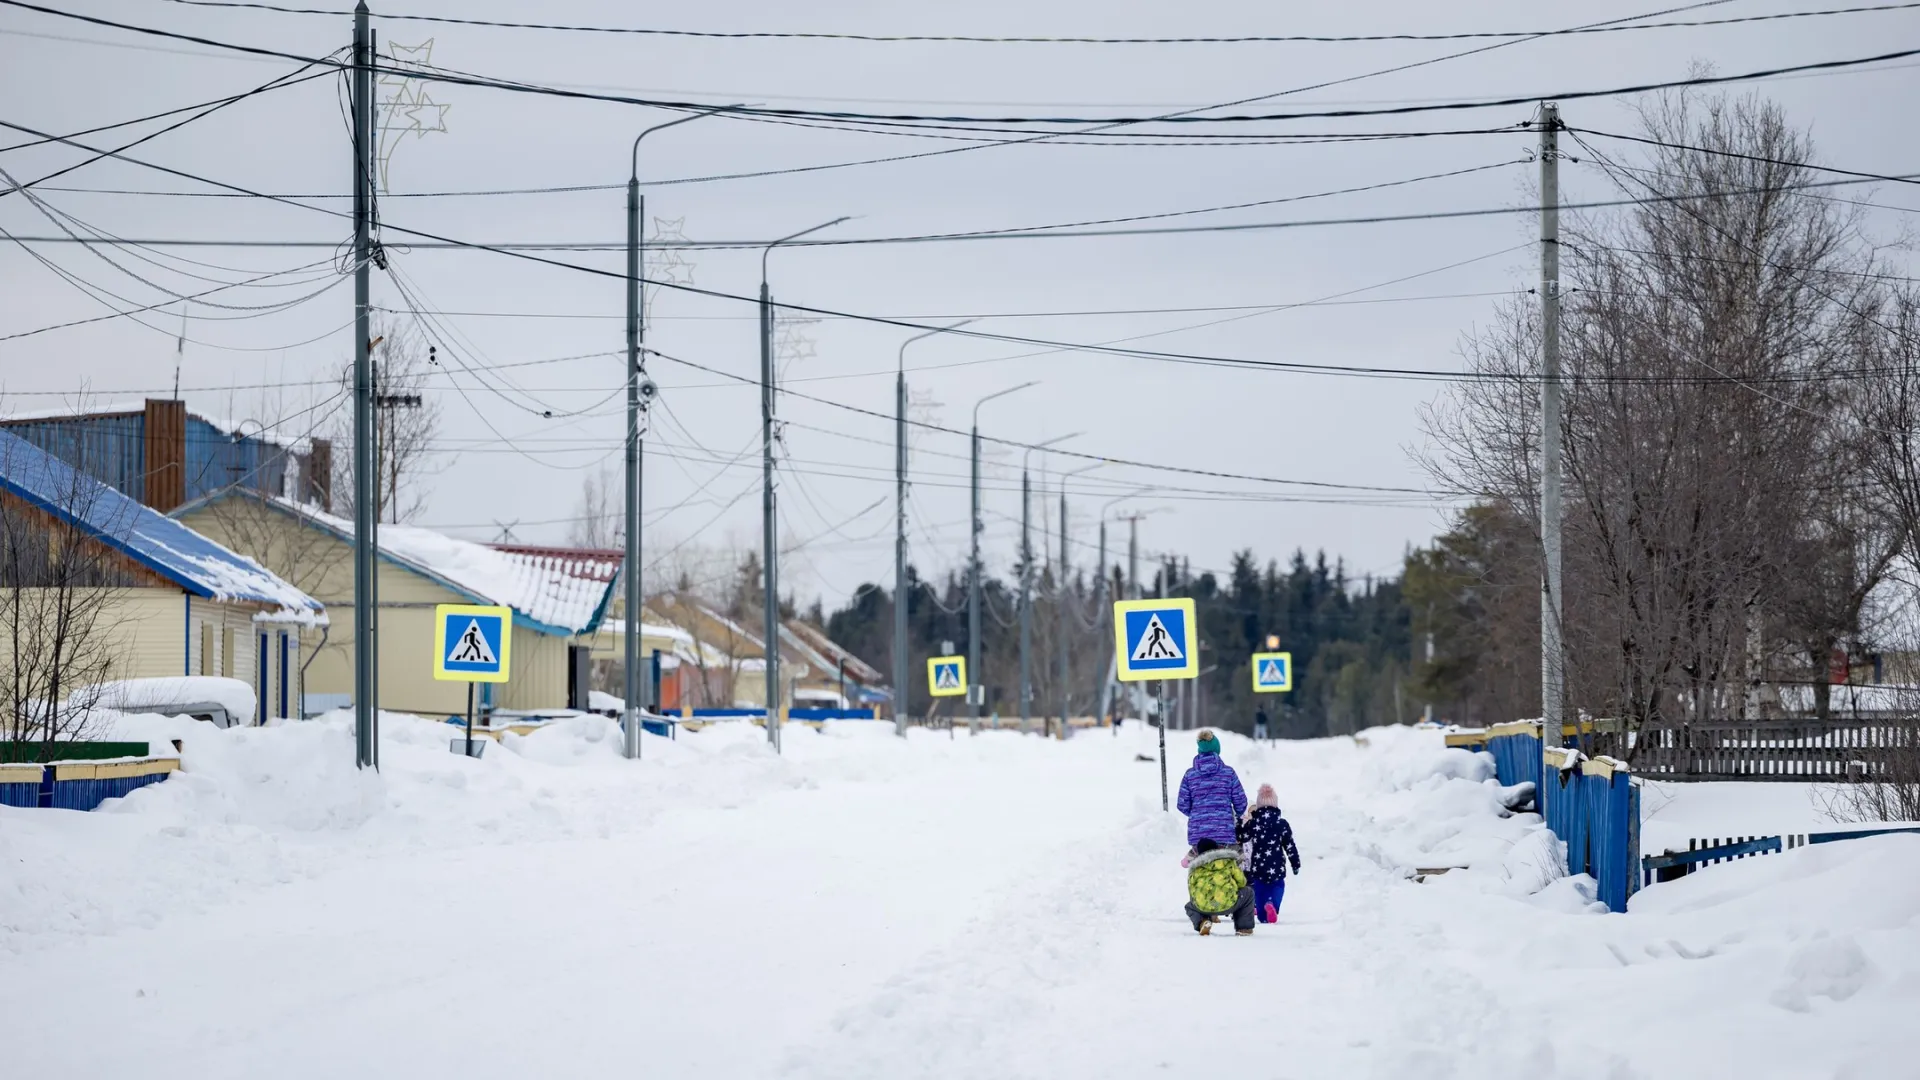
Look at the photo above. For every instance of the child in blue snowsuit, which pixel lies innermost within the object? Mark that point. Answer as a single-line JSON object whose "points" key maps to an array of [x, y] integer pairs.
{"points": [[1269, 846]]}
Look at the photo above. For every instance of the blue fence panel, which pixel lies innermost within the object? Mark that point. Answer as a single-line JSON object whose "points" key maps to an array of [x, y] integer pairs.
{"points": [[87, 792], [1612, 832], [726, 714], [830, 714], [1516, 758], [20, 786]]}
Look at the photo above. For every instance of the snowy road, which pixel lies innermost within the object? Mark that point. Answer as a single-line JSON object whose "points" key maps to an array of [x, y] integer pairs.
{"points": [[995, 906]]}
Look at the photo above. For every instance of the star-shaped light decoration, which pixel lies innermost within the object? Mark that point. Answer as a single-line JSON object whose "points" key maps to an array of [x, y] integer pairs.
{"points": [[406, 108], [666, 264]]}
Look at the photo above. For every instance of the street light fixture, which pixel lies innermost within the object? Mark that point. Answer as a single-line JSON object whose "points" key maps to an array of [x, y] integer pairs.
{"points": [[902, 692], [974, 694], [770, 554], [1026, 578], [640, 393]]}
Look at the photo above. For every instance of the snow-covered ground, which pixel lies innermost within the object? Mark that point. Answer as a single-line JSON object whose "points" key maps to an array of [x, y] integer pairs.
{"points": [[864, 906]]}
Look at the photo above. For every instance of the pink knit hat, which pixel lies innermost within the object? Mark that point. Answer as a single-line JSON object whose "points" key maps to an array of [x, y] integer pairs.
{"points": [[1266, 797]]}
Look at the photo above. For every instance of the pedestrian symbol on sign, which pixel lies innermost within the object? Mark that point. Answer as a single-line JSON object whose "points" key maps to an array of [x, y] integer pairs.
{"points": [[472, 642], [1272, 672], [472, 647], [1156, 643], [946, 676], [1155, 639]]}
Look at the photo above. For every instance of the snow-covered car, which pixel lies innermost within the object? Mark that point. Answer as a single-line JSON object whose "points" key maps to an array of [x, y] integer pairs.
{"points": [[221, 702]]}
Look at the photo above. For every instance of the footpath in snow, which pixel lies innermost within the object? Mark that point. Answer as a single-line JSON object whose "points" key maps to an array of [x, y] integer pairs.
{"points": [[866, 906]]}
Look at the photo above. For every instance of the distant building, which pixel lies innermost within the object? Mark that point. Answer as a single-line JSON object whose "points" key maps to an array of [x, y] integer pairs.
{"points": [[164, 455], [170, 601]]}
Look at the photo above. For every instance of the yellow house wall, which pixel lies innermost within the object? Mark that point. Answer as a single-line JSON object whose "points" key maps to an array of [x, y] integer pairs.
{"points": [[321, 564]]}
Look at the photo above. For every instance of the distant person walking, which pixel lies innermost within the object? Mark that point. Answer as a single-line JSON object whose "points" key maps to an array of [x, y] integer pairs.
{"points": [[1211, 796], [1260, 723]]}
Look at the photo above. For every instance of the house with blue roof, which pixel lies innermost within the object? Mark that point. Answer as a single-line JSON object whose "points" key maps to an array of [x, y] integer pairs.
{"points": [[558, 604], [167, 601]]}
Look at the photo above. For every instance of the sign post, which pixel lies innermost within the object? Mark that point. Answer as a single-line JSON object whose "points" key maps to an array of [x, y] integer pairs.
{"points": [[471, 644], [947, 677], [1156, 639]]}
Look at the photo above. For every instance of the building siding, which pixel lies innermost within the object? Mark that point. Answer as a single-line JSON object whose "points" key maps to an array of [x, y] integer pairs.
{"points": [[321, 565]]}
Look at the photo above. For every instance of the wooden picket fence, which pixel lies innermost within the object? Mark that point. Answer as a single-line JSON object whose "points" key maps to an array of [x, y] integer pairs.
{"points": [[1788, 750]]}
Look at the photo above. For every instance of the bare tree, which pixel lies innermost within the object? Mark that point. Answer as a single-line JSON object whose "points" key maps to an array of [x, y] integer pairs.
{"points": [[1704, 336], [599, 521], [58, 583], [406, 424]]}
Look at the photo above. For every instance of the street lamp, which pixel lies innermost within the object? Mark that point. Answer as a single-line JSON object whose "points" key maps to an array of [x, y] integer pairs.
{"points": [[901, 690], [770, 553], [1061, 585], [1026, 578], [640, 392], [973, 566], [1133, 577]]}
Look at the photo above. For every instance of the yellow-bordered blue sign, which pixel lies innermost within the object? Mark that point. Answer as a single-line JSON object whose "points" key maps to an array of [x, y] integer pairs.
{"points": [[1155, 639], [1272, 672], [946, 676], [472, 643]]}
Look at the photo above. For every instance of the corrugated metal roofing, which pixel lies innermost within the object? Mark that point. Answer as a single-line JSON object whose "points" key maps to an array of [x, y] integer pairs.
{"points": [[144, 535]]}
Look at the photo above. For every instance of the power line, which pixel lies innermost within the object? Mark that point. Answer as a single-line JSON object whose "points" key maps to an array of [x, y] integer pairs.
{"points": [[747, 111], [1743, 157], [1148, 354], [1066, 231], [982, 39]]}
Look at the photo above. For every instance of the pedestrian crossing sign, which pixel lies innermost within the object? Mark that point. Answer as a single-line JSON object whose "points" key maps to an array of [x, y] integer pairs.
{"points": [[1155, 639], [471, 643], [1272, 672], [946, 676]]}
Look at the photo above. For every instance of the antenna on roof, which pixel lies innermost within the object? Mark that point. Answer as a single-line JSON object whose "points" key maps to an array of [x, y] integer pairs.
{"points": [[506, 530], [179, 349]]}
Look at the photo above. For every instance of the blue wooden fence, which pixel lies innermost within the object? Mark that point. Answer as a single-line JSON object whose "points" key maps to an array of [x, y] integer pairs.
{"points": [[79, 785], [1592, 806], [1675, 864]]}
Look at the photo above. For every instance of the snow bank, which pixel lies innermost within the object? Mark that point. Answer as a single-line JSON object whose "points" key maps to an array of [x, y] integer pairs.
{"points": [[933, 906]]}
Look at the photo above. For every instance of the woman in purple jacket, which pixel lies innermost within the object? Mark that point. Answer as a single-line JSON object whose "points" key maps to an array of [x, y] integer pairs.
{"points": [[1211, 796]]}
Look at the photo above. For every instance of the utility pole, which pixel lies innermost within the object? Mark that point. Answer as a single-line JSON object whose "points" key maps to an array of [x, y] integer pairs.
{"points": [[976, 689], [902, 690], [974, 675], [1552, 657], [630, 559], [365, 684], [1026, 602], [770, 552], [902, 693], [640, 393], [1026, 576], [1061, 586]]}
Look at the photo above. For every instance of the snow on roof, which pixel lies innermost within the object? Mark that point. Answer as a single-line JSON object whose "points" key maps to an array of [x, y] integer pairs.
{"points": [[860, 670], [142, 534], [548, 597]]}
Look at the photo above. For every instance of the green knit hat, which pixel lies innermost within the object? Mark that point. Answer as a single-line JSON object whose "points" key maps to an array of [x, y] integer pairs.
{"points": [[1209, 744]]}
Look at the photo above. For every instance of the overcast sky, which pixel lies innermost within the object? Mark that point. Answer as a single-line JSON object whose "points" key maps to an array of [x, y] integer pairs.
{"points": [[1407, 291]]}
